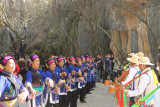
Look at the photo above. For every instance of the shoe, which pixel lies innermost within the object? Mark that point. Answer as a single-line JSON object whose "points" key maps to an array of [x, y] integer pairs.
{"points": [[83, 101], [92, 89], [85, 97], [89, 93]]}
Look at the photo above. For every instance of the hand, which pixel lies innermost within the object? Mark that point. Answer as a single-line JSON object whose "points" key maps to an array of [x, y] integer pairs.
{"points": [[33, 92], [21, 98], [67, 87], [120, 85], [61, 74], [73, 72], [117, 89], [64, 74], [87, 64], [50, 83], [126, 92], [79, 73], [83, 69], [60, 82], [56, 89]]}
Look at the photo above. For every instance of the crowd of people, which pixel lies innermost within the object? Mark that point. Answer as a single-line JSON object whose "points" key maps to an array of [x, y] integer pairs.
{"points": [[138, 81], [64, 80], [61, 83], [113, 68]]}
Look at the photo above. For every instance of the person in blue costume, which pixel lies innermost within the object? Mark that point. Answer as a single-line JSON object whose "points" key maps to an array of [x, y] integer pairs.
{"points": [[51, 95], [91, 67], [12, 91], [84, 73], [73, 93], [89, 83], [62, 74], [80, 77], [35, 78]]}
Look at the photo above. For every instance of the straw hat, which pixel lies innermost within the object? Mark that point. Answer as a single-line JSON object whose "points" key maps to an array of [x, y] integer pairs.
{"points": [[133, 59], [140, 54], [131, 54], [144, 61]]}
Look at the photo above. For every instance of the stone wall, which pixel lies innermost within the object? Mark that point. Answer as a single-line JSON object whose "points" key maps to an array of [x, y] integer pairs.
{"points": [[37, 21]]}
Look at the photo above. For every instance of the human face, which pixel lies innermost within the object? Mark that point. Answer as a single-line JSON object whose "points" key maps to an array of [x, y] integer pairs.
{"points": [[90, 60], [73, 62], [131, 63], [52, 66], [10, 66], [61, 63], [79, 63], [35, 63], [142, 67], [87, 59], [83, 60]]}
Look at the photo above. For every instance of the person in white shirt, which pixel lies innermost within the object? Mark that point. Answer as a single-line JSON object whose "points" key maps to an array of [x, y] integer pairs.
{"points": [[146, 83], [133, 72]]}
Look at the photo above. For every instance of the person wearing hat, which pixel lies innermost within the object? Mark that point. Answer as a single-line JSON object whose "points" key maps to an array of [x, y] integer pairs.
{"points": [[84, 67], [88, 84], [157, 93], [35, 78], [133, 72], [128, 66], [51, 95], [72, 94], [12, 90], [84, 73], [80, 79], [91, 67], [63, 77], [145, 84]]}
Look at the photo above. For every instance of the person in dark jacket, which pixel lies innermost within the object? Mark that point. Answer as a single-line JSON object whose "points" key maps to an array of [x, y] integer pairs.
{"points": [[23, 69]]}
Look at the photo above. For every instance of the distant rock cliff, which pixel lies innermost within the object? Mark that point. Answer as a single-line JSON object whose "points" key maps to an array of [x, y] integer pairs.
{"points": [[76, 27]]}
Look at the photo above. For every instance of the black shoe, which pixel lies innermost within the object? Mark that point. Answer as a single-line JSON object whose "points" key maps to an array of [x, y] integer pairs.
{"points": [[92, 89], [83, 101]]}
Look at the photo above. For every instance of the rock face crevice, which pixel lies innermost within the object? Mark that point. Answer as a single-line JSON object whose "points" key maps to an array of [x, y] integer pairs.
{"points": [[76, 27]]}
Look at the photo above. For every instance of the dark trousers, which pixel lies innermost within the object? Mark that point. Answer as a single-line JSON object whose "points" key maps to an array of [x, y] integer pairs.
{"points": [[93, 84], [72, 98], [63, 101], [88, 87], [109, 72], [131, 101], [82, 94]]}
